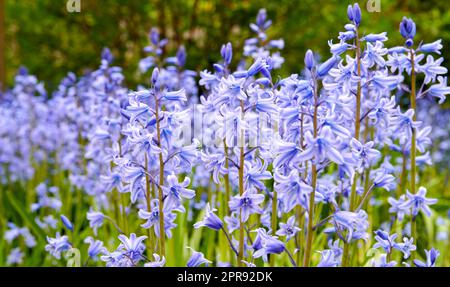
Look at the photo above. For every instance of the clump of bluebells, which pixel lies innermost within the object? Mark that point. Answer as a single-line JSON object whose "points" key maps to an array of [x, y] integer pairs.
{"points": [[233, 166]]}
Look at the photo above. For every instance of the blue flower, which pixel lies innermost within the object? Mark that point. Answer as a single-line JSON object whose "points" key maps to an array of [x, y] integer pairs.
{"points": [[227, 53], [309, 59], [247, 204], [95, 247], [197, 259], [439, 90], [326, 66], [418, 202], [384, 240], [406, 247], [398, 207], [288, 229], [383, 262], [328, 259], [15, 256], [407, 28], [434, 47], [57, 245], [95, 220], [321, 148], [152, 218], [255, 174], [66, 222], [210, 220], [175, 191], [175, 96], [365, 155], [292, 190], [375, 37], [132, 247], [432, 256], [158, 262], [355, 224], [266, 244], [432, 68]]}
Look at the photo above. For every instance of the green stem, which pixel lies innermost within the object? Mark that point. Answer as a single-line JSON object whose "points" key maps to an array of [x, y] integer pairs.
{"points": [[413, 144], [309, 238]]}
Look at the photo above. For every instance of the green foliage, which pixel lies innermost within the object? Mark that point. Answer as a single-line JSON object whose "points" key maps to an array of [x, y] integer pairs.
{"points": [[50, 41]]}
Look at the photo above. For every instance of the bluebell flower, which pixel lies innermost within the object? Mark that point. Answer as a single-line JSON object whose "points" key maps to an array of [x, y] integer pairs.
{"points": [[383, 262], [439, 90], [227, 53], [326, 66], [374, 55], [232, 222], [432, 68], [181, 56], [309, 59], [288, 229], [134, 175], [66, 222], [255, 174], [247, 204], [175, 190], [132, 247], [418, 202], [287, 153], [155, 75], [95, 247], [321, 148], [403, 123], [15, 257], [434, 47], [432, 256], [398, 207], [339, 48], [383, 180], [210, 220], [406, 247], [197, 259], [354, 14], [158, 261], [152, 218], [382, 112], [55, 246], [355, 223], [95, 219], [292, 191], [266, 244], [384, 240], [375, 37], [407, 28], [175, 96], [328, 259], [365, 155]]}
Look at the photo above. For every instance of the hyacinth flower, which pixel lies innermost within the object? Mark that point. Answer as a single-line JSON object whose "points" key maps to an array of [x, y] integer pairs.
{"points": [[328, 259], [158, 261], [432, 256], [96, 248], [197, 259]]}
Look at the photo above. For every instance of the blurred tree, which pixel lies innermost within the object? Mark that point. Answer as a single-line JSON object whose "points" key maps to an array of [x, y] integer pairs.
{"points": [[2, 46], [50, 41]]}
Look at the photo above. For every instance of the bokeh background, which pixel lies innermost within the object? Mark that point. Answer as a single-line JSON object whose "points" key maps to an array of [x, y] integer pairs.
{"points": [[43, 36]]}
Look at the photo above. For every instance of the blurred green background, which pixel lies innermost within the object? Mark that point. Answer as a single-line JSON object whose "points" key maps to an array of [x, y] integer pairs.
{"points": [[50, 41]]}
